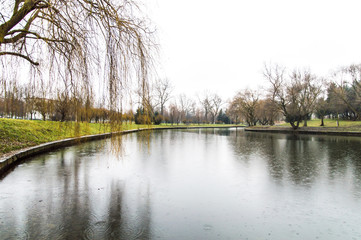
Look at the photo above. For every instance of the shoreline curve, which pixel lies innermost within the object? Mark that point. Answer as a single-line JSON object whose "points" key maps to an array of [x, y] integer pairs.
{"points": [[10, 160]]}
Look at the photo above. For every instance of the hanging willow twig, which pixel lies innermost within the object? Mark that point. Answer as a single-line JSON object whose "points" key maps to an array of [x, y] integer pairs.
{"points": [[76, 33]]}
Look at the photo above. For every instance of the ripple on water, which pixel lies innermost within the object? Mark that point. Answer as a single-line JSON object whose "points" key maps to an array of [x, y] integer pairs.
{"points": [[18, 234], [138, 234], [207, 227], [97, 230]]}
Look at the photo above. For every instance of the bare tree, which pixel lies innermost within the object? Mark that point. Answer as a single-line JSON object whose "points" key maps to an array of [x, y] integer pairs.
{"points": [[355, 73], [309, 90], [185, 105], [266, 112], [234, 113], [174, 114], [144, 93], [347, 87], [163, 91], [337, 101], [295, 98], [63, 105], [13, 99], [198, 114], [30, 100], [216, 103], [322, 109], [206, 104], [245, 104]]}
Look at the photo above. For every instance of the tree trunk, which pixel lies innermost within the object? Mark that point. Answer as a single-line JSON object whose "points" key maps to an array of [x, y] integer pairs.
{"points": [[305, 121], [322, 123], [337, 122], [295, 126]]}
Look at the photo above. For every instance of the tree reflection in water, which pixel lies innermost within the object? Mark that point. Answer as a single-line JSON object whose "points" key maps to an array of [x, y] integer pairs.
{"points": [[64, 198], [187, 184], [301, 158]]}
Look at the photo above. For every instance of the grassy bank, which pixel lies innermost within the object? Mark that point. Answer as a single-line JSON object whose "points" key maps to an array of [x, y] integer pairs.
{"points": [[17, 134], [331, 124], [314, 126]]}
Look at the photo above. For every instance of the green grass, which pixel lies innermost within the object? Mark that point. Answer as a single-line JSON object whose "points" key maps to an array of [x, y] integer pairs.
{"points": [[314, 126], [17, 134], [331, 123]]}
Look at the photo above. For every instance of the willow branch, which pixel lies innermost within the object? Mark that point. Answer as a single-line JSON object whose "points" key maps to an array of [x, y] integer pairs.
{"points": [[20, 55]]}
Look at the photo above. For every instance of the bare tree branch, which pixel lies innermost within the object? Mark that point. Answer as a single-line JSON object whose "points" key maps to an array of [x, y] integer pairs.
{"points": [[76, 35], [19, 55]]}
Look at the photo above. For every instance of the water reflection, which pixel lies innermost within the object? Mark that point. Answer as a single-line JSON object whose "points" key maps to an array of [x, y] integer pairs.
{"points": [[62, 197], [299, 158], [188, 184]]}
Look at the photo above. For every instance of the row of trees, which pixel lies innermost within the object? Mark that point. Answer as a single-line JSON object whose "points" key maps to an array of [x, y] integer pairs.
{"points": [[291, 96], [26, 102], [37, 100], [182, 108], [295, 96], [168, 108]]}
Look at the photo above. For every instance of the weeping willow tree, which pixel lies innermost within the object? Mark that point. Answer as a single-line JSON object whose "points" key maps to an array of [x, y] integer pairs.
{"points": [[74, 41]]}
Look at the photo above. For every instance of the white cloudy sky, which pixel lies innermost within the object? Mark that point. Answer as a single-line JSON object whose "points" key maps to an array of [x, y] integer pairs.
{"points": [[222, 45]]}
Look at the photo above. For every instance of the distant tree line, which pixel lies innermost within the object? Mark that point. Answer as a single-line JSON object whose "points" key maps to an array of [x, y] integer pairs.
{"points": [[293, 96], [181, 109], [40, 101], [297, 95]]}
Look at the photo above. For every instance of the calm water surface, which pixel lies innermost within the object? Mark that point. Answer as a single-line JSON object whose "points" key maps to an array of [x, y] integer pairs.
{"points": [[194, 184]]}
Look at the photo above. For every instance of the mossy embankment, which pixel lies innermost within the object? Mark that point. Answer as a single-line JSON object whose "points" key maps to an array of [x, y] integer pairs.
{"points": [[345, 128], [18, 134]]}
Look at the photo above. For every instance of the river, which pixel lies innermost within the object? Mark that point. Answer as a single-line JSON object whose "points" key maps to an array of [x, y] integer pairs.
{"points": [[188, 184]]}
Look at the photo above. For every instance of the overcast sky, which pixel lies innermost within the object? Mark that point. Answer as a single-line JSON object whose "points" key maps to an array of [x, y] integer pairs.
{"points": [[222, 45]]}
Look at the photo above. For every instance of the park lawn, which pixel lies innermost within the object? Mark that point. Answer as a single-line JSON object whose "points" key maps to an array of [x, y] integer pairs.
{"points": [[18, 134], [344, 125]]}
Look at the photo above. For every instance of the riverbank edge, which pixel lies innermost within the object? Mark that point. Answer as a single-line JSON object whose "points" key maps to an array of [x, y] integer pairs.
{"points": [[302, 130], [8, 161]]}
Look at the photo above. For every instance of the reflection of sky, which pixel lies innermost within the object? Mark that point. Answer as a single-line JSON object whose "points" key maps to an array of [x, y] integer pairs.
{"points": [[194, 184]]}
